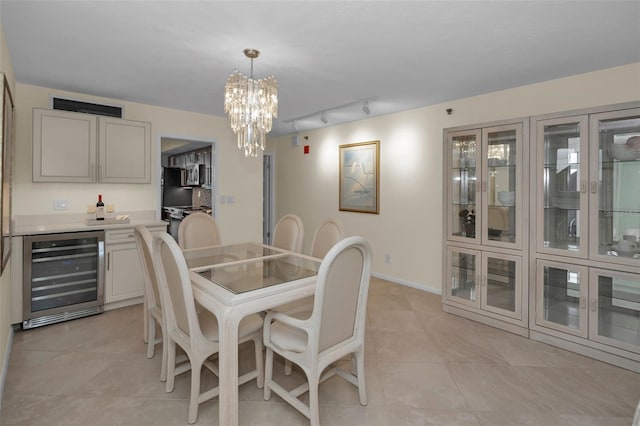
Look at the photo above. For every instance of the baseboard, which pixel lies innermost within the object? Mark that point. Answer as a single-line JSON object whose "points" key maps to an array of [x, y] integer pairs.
{"points": [[407, 283], [5, 365]]}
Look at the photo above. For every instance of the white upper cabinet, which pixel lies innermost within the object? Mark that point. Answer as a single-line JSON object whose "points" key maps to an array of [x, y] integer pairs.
{"points": [[85, 148], [125, 151], [64, 146]]}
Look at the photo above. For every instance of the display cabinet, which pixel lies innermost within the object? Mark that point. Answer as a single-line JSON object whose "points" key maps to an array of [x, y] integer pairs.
{"points": [[484, 203], [585, 254]]}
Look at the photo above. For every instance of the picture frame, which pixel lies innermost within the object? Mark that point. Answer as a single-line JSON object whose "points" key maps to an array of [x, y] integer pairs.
{"points": [[359, 185], [6, 152]]}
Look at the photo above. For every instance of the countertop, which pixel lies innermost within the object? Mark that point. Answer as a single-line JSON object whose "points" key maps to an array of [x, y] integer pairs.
{"points": [[70, 222]]}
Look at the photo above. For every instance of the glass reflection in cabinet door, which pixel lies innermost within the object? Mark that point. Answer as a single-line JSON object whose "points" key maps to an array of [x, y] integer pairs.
{"points": [[562, 186], [463, 276], [501, 284], [618, 309], [463, 185], [618, 208], [562, 297], [501, 184]]}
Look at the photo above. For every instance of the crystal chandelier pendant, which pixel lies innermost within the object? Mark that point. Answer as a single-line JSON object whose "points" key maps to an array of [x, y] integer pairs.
{"points": [[252, 104]]}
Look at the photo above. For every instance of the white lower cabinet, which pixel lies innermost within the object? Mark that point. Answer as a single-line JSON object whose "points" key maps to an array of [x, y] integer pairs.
{"points": [[488, 285], [592, 308], [123, 276]]}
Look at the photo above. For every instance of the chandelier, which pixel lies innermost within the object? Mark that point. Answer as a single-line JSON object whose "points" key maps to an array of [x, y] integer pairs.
{"points": [[251, 104]]}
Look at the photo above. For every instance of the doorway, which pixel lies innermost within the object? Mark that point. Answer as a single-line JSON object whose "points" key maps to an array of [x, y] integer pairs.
{"points": [[181, 189]]}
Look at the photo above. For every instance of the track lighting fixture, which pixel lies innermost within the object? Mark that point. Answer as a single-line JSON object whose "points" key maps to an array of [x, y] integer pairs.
{"points": [[323, 112]]}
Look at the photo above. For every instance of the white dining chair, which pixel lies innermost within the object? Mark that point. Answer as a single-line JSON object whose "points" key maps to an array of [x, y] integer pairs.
{"points": [[289, 233], [152, 306], [327, 234], [198, 230], [335, 329], [196, 332]]}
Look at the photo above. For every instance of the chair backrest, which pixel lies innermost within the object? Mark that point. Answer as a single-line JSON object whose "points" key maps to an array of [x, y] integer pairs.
{"points": [[289, 233], [327, 235], [151, 291], [198, 230], [175, 288], [342, 289]]}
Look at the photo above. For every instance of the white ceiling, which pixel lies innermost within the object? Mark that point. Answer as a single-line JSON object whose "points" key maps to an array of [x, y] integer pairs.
{"points": [[178, 54]]}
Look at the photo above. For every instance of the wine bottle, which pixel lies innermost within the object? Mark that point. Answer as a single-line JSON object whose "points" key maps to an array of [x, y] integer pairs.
{"points": [[100, 208]]}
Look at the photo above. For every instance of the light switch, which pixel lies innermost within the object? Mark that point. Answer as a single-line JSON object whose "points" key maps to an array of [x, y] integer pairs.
{"points": [[60, 205]]}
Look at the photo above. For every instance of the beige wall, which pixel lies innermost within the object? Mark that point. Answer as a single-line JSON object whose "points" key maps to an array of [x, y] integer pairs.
{"points": [[409, 226], [5, 284]]}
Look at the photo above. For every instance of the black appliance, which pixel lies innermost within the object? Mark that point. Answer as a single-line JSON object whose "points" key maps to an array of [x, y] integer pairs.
{"points": [[175, 198], [173, 193]]}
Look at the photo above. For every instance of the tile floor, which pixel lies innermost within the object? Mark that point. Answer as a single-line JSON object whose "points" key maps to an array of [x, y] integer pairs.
{"points": [[424, 367]]}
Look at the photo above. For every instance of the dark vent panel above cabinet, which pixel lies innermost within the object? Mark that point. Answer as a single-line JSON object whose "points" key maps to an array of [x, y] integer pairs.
{"points": [[87, 107]]}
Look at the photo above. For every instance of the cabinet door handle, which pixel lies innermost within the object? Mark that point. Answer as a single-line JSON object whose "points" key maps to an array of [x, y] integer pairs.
{"points": [[484, 186], [594, 187], [583, 302], [108, 260], [594, 305], [583, 186]]}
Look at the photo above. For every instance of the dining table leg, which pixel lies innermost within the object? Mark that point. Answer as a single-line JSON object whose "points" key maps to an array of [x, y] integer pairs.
{"points": [[228, 381]]}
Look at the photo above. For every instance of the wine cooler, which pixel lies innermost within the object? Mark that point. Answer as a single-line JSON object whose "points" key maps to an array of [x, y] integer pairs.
{"points": [[63, 277]]}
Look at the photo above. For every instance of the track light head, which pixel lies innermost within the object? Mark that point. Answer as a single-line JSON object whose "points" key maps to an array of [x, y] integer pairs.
{"points": [[366, 108], [323, 118]]}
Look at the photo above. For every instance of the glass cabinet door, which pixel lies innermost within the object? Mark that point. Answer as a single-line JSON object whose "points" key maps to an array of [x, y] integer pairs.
{"points": [[502, 284], [463, 192], [615, 186], [502, 185], [561, 184], [463, 276], [561, 297], [615, 308]]}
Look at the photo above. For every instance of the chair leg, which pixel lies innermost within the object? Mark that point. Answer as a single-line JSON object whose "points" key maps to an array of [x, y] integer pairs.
{"points": [[150, 326], [145, 321], [314, 407], [268, 373], [362, 388], [196, 368], [171, 364], [257, 343], [165, 354]]}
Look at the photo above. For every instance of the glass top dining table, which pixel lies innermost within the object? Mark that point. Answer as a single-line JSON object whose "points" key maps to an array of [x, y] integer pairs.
{"points": [[233, 281]]}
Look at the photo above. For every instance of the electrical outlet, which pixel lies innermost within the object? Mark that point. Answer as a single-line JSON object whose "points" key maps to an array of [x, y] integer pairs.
{"points": [[387, 258], [60, 205]]}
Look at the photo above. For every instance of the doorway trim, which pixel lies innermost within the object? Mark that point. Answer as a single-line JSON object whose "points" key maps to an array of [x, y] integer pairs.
{"points": [[268, 196]]}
